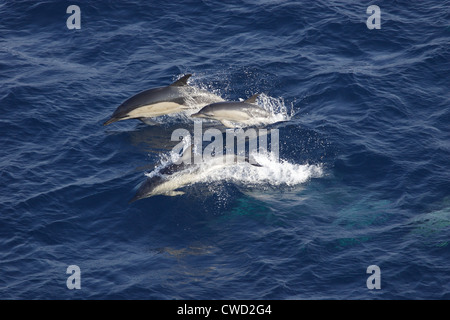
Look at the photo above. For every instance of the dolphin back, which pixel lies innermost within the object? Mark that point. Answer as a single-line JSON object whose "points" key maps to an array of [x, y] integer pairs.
{"points": [[150, 96], [173, 93], [176, 92]]}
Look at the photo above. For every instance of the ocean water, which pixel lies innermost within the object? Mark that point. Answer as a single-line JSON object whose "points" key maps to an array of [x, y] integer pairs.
{"points": [[363, 176]]}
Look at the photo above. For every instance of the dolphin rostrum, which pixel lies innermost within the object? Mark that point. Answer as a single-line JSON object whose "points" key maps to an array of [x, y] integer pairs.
{"points": [[182, 173], [234, 112], [160, 101]]}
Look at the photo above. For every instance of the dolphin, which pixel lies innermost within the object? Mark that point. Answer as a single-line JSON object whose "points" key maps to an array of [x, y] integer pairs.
{"points": [[160, 101], [182, 173], [234, 112]]}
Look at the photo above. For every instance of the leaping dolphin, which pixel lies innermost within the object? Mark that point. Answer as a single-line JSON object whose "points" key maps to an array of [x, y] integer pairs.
{"points": [[231, 113], [156, 102], [182, 173]]}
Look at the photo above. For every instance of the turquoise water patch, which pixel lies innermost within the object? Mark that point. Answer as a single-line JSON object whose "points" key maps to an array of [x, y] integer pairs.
{"points": [[433, 227]]}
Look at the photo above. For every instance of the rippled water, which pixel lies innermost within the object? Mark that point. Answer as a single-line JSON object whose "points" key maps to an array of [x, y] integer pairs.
{"points": [[367, 108]]}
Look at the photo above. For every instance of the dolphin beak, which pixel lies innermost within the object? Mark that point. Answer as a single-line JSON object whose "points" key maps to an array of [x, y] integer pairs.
{"points": [[196, 115], [140, 194], [135, 198], [110, 121]]}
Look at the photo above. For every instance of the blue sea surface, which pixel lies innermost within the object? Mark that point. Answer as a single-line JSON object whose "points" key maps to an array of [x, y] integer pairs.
{"points": [[370, 107]]}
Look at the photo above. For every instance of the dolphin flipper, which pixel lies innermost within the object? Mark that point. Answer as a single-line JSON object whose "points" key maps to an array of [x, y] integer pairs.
{"points": [[149, 121], [227, 123], [174, 193]]}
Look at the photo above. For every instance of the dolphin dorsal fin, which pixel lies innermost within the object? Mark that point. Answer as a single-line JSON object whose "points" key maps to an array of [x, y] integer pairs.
{"points": [[252, 161], [182, 81], [186, 156], [252, 99]]}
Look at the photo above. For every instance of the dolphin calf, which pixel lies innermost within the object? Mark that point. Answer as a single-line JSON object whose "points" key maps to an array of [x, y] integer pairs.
{"points": [[156, 102], [231, 113], [177, 175]]}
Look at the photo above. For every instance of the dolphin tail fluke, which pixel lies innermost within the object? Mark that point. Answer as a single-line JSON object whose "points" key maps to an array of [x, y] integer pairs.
{"points": [[182, 81]]}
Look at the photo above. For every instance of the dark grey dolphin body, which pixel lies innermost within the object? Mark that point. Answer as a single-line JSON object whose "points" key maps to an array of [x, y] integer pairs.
{"points": [[161, 101], [234, 112]]}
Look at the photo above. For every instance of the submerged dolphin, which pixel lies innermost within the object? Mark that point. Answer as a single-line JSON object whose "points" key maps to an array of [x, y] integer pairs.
{"points": [[161, 101], [175, 176], [233, 112]]}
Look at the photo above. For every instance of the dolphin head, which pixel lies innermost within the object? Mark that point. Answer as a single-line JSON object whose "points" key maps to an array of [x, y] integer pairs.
{"points": [[205, 112], [147, 189], [218, 110], [157, 183]]}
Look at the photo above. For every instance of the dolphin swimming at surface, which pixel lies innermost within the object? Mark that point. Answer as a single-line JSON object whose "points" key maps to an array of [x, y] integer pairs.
{"points": [[231, 113], [183, 173], [155, 102]]}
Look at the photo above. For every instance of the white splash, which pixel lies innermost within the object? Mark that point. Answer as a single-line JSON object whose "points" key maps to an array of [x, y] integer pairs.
{"points": [[205, 94], [270, 173], [276, 108]]}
